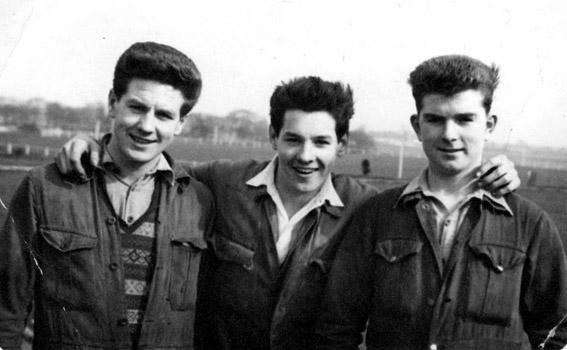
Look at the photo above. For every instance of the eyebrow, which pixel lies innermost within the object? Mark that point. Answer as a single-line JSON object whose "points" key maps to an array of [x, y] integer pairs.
{"points": [[458, 115], [293, 134]]}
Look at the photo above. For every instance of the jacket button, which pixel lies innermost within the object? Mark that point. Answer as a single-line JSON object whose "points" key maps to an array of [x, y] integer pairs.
{"points": [[430, 302], [113, 266], [393, 258], [433, 347], [111, 221], [122, 322]]}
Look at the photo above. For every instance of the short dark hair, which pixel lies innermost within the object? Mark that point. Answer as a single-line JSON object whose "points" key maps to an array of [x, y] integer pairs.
{"points": [[312, 94], [161, 63], [451, 74]]}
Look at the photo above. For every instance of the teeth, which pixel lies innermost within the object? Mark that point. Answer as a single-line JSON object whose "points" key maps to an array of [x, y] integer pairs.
{"points": [[304, 171], [140, 140]]}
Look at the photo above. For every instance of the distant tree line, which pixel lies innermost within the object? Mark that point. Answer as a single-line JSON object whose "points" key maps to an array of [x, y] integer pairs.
{"points": [[37, 115]]}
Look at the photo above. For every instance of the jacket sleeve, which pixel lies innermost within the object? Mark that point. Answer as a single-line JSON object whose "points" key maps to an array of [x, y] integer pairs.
{"points": [[17, 265], [544, 302], [203, 172], [348, 293]]}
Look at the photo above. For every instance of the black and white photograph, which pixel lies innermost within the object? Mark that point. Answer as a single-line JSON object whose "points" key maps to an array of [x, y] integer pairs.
{"points": [[283, 175]]}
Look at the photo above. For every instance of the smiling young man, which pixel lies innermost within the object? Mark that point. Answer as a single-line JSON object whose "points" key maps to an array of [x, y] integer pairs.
{"points": [[112, 262], [278, 223], [441, 263]]}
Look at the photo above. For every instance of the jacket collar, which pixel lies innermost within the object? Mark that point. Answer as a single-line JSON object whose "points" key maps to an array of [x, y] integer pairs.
{"points": [[166, 167], [419, 188]]}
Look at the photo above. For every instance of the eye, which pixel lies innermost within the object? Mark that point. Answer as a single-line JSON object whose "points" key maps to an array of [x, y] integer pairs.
{"points": [[465, 119], [433, 119], [292, 140], [137, 108], [322, 142], [165, 115]]}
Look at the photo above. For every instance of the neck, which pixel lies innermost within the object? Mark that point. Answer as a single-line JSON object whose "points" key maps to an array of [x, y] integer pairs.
{"points": [[451, 189], [130, 171], [292, 199], [293, 202]]}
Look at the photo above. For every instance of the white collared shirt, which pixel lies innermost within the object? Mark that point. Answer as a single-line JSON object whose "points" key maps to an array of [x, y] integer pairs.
{"points": [[286, 224]]}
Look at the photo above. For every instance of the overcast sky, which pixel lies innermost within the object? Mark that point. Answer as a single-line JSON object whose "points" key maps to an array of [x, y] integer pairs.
{"points": [[65, 51]]}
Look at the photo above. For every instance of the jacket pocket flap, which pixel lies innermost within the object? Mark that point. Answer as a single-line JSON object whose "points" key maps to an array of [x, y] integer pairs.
{"points": [[499, 257], [321, 264], [395, 250], [229, 250], [195, 242], [66, 241]]}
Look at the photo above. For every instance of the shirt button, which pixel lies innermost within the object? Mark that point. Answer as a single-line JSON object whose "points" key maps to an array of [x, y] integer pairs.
{"points": [[111, 221], [113, 266], [122, 322], [130, 219]]}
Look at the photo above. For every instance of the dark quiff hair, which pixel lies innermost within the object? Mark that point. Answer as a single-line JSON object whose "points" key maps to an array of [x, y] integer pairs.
{"points": [[161, 63], [451, 74], [312, 94]]}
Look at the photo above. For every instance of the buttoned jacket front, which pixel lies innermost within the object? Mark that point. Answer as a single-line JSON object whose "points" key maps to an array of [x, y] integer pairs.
{"points": [[504, 285], [253, 302], [62, 250]]}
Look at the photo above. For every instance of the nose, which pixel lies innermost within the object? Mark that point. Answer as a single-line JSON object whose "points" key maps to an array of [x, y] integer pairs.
{"points": [[306, 153], [146, 122], [450, 131]]}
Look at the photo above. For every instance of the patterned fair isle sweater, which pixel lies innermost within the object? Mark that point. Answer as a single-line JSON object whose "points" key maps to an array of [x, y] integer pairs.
{"points": [[138, 257]]}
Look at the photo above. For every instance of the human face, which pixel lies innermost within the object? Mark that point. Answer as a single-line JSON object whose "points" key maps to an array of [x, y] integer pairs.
{"points": [[453, 130], [146, 119], [307, 149]]}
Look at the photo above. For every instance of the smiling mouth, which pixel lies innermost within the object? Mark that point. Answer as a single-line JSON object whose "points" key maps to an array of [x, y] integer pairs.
{"points": [[450, 150], [304, 171], [141, 140]]}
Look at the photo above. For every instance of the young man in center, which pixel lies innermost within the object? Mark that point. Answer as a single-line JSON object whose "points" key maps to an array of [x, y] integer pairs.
{"points": [[278, 223], [440, 263]]}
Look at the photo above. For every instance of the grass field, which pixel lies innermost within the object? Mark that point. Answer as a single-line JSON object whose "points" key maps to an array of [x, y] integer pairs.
{"points": [[550, 191], [550, 194]]}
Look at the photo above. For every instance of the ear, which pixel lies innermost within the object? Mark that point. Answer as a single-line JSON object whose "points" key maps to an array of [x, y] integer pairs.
{"points": [[342, 146], [273, 138], [180, 124], [414, 121], [491, 121], [112, 101]]}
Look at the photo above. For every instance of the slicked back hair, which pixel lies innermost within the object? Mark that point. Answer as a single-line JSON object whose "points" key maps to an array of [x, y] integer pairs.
{"points": [[161, 63], [313, 94], [451, 74]]}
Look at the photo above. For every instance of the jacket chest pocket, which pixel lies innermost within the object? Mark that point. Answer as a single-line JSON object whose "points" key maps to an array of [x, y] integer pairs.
{"points": [[185, 263], [397, 276], [234, 275], [67, 261], [494, 276]]}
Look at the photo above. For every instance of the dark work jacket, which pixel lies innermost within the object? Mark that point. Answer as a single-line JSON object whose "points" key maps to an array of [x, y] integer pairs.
{"points": [[504, 285], [60, 248], [253, 302]]}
